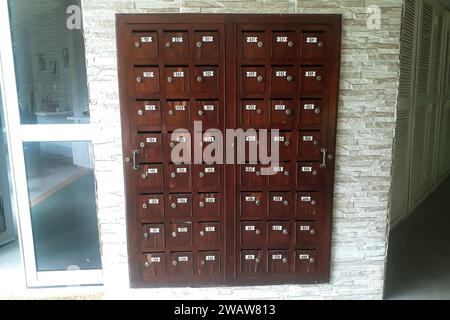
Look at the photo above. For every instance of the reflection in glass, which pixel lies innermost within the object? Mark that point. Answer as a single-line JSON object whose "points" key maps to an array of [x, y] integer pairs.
{"points": [[62, 200], [2, 215], [49, 62]]}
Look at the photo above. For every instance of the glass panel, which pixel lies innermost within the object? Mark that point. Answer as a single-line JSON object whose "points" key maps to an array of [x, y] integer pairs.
{"points": [[49, 61], [62, 200]]}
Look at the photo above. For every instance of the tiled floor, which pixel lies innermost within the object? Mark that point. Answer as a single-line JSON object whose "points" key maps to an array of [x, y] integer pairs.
{"points": [[419, 251]]}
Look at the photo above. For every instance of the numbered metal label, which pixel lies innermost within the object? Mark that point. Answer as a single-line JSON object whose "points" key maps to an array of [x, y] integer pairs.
{"points": [[207, 38], [150, 107], [146, 39], [177, 39]]}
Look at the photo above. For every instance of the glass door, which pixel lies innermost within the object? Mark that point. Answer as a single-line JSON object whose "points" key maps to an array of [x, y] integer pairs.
{"points": [[44, 75]]}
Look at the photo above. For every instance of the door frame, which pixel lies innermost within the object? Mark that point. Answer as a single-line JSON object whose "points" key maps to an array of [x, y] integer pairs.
{"points": [[6, 200], [17, 135]]}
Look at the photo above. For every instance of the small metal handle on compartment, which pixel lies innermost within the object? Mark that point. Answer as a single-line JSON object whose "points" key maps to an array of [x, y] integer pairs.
{"points": [[135, 164], [324, 157]]}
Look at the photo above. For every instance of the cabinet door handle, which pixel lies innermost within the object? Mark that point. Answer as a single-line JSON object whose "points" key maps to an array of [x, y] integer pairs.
{"points": [[324, 157], [134, 156]]}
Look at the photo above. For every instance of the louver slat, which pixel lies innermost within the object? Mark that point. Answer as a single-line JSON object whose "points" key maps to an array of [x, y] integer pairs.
{"points": [[425, 49]]}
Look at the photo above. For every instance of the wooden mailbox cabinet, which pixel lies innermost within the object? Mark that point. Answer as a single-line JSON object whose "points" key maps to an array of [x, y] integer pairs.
{"points": [[209, 223]]}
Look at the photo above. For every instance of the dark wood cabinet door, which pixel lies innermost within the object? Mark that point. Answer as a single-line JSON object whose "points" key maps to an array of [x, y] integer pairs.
{"points": [[264, 219]]}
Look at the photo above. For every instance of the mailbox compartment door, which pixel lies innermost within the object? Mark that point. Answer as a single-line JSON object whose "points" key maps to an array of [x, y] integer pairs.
{"points": [[253, 234], [206, 79], [206, 44], [253, 79], [150, 177], [151, 206], [306, 261], [153, 236], [312, 81], [148, 114], [146, 81], [154, 264], [176, 80], [282, 113], [313, 45], [281, 203], [149, 146], [252, 177], [284, 79], [252, 262], [178, 206], [209, 263], [286, 144], [283, 175], [207, 177], [253, 45], [144, 45], [175, 45], [179, 235], [279, 261], [284, 45], [310, 205], [208, 235], [207, 205], [309, 176], [311, 113], [177, 114], [253, 205], [181, 264], [207, 111], [279, 234], [308, 234], [178, 176], [309, 144], [253, 114]]}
